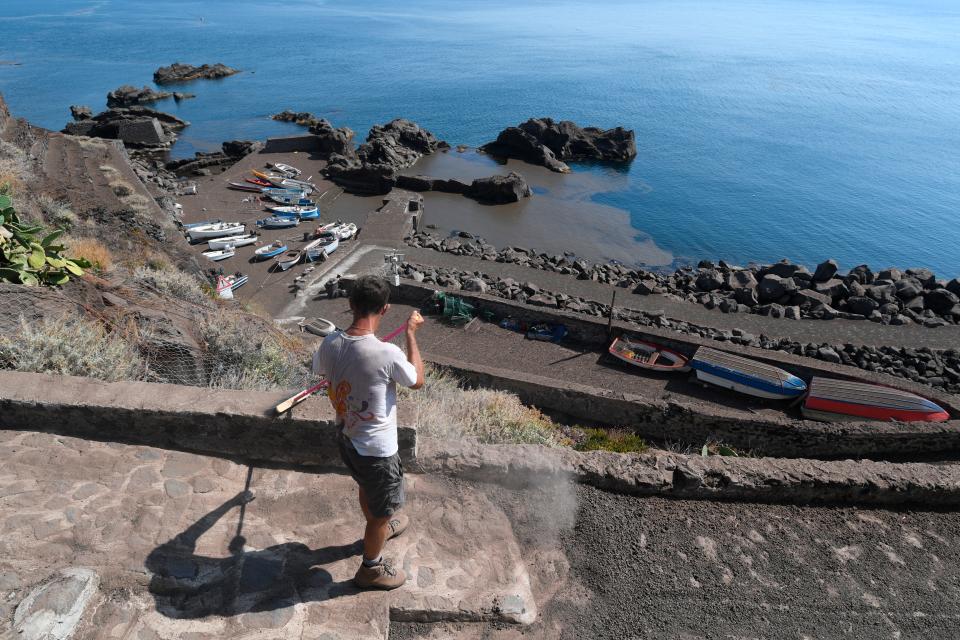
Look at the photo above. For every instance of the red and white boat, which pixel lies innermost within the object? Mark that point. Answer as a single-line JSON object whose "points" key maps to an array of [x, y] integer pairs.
{"points": [[832, 400], [647, 355]]}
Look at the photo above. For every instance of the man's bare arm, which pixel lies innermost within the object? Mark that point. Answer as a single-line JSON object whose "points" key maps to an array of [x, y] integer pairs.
{"points": [[413, 351]]}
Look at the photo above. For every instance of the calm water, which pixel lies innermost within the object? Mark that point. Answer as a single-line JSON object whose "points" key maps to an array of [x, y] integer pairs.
{"points": [[765, 129]]}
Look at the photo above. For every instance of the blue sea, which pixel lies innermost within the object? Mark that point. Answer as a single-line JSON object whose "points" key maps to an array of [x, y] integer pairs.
{"points": [[765, 129]]}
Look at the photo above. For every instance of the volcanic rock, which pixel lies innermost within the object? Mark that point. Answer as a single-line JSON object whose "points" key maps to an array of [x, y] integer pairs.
{"points": [[908, 288], [80, 112], [375, 166], [825, 271], [179, 72], [924, 276], [514, 142], [499, 189], [709, 280], [127, 96], [303, 118], [940, 301], [548, 143], [331, 139], [135, 126], [861, 305], [861, 274]]}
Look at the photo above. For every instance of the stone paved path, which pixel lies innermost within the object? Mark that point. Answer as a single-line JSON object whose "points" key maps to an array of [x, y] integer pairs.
{"points": [[159, 529]]}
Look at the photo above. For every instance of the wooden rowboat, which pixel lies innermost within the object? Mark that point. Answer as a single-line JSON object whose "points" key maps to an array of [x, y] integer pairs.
{"points": [[745, 375], [647, 355], [832, 400]]}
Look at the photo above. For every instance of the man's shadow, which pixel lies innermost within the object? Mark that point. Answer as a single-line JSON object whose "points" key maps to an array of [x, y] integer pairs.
{"points": [[185, 585]]}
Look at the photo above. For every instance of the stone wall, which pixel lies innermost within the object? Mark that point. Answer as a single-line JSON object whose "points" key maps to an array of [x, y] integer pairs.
{"points": [[289, 144], [694, 477], [593, 332], [234, 424]]}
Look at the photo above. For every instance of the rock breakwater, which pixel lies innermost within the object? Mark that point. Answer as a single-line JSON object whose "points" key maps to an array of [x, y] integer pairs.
{"points": [[936, 368], [780, 290]]}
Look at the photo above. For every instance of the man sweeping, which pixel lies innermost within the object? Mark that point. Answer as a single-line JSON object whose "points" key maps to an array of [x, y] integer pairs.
{"points": [[363, 374]]}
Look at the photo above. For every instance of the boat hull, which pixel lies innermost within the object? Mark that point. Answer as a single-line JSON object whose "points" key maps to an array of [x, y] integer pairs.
{"points": [[844, 400], [200, 233], [223, 243], [677, 362], [745, 375]]}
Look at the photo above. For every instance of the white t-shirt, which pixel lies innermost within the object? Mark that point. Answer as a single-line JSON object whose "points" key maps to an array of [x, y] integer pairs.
{"points": [[363, 374]]}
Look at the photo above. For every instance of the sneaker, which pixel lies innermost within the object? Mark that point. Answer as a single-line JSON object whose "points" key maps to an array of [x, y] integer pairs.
{"points": [[398, 524], [379, 576]]}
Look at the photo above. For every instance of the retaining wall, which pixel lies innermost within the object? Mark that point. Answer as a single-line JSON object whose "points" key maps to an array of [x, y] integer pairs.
{"points": [[239, 424], [288, 144], [673, 421]]}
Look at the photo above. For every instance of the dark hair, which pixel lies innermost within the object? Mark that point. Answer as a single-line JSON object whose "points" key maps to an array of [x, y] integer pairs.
{"points": [[369, 295]]}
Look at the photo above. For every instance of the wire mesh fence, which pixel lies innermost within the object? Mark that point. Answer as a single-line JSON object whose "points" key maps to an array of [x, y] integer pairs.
{"points": [[153, 325]]}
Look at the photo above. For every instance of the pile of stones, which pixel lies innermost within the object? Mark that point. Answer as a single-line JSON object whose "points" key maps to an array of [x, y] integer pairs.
{"points": [[940, 369], [780, 290]]}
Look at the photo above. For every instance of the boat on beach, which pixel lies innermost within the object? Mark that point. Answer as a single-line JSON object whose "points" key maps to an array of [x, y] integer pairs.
{"points": [[284, 168], [647, 355], [269, 250], [347, 230], [831, 400], [304, 213], [291, 200], [258, 182], [231, 241], [215, 230], [219, 254], [317, 326], [325, 245], [289, 259], [278, 222], [239, 186], [745, 375], [191, 225]]}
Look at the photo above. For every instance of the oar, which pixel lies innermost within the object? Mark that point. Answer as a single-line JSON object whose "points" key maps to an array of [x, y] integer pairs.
{"points": [[293, 401]]}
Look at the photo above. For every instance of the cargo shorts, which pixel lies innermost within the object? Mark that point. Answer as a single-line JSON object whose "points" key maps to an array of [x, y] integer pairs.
{"points": [[380, 478]]}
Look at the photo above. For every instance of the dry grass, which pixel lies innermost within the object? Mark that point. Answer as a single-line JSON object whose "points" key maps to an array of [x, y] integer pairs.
{"points": [[171, 281], [447, 410], [57, 212], [93, 250], [15, 167], [121, 188], [244, 354], [73, 346]]}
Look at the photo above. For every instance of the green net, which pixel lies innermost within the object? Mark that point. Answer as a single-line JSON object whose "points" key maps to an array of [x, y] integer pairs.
{"points": [[455, 309]]}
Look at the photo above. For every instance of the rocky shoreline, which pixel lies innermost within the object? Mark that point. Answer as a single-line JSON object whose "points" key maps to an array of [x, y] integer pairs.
{"points": [[780, 290], [936, 368]]}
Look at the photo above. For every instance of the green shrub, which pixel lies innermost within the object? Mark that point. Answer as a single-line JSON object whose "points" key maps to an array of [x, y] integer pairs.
{"points": [[30, 253], [74, 346], [611, 440]]}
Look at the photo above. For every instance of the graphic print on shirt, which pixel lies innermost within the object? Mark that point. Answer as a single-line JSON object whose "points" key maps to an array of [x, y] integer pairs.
{"points": [[351, 410]]}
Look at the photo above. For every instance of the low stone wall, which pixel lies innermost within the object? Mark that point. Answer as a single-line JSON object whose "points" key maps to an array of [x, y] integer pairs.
{"points": [[700, 478], [593, 332], [660, 421], [306, 142], [673, 421], [234, 424]]}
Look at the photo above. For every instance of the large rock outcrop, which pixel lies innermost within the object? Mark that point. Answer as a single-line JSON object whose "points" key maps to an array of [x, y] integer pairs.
{"points": [[374, 167], [208, 163], [499, 189], [137, 127], [331, 139], [127, 96], [546, 142], [180, 72]]}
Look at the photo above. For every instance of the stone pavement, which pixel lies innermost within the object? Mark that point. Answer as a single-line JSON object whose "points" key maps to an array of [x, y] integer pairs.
{"points": [[176, 556]]}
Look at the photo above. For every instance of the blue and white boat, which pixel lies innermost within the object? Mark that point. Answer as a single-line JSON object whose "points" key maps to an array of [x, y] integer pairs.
{"points": [[746, 376], [304, 213], [326, 244], [291, 199], [278, 222], [269, 250]]}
